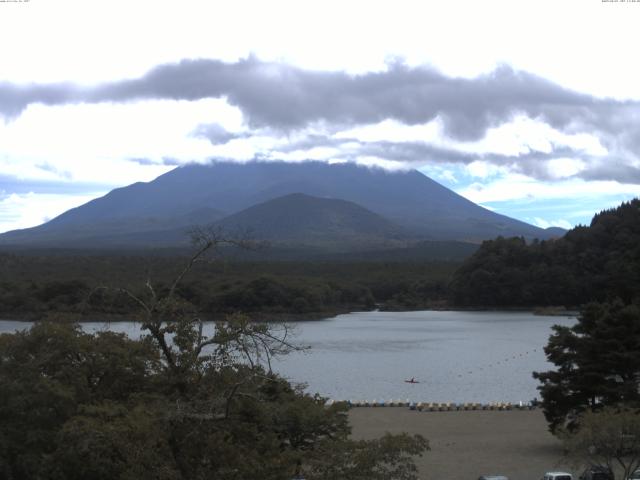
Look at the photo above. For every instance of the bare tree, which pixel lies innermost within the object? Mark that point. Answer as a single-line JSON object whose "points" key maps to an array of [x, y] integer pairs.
{"points": [[177, 329]]}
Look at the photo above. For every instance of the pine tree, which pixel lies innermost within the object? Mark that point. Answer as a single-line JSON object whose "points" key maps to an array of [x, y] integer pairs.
{"points": [[597, 360]]}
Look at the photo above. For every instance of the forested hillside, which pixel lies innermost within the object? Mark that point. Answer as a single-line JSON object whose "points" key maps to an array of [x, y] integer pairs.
{"points": [[591, 263], [64, 286]]}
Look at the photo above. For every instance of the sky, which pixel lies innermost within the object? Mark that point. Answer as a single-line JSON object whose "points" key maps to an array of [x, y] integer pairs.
{"points": [[528, 108]]}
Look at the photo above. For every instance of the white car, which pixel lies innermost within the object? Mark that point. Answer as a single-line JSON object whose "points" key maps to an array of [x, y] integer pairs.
{"points": [[557, 476]]}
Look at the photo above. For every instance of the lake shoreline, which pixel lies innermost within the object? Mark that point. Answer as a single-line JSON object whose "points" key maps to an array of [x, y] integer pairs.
{"points": [[71, 317], [259, 317]]}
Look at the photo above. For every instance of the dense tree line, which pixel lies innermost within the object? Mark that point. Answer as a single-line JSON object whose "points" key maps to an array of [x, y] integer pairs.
{"points": [[594, 263], [180, 403], [56, 286]]}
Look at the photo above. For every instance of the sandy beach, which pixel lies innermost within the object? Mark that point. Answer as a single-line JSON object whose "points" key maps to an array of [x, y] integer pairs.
{"points": [[467, 444]]}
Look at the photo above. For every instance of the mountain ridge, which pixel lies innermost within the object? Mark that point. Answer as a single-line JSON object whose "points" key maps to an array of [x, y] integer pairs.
{"points": [[205, 194], [305, 218]]}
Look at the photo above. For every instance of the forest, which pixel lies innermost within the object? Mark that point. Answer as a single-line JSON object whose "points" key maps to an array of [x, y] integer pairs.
{"points": [[72, 286], [105, 406], [590, 263], [175, 404]]}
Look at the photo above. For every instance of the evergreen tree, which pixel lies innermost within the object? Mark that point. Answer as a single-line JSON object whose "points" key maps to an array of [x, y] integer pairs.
{"points": [[597, 360], [594, 263]]}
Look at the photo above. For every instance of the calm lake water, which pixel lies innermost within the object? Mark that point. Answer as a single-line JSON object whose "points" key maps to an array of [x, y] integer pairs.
{"points": [[456, 356]]}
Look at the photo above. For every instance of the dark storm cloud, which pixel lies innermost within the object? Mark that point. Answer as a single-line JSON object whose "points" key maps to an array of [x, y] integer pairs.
{"points": [[613, 169], [217, 134], [15, 98], [284, 97], [280, 98]]}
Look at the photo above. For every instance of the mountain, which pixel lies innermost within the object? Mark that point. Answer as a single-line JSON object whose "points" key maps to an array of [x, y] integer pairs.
{"points": [[302, 219], [204, 194], [112, 231], [555, 232], [295, 221]]}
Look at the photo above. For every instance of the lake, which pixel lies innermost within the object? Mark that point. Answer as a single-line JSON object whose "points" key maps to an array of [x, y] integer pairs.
{"points": [[456, 356]]}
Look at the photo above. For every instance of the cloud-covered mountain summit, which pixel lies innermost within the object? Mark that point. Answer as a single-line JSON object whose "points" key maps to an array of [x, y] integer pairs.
{"points": [[216, 193]]}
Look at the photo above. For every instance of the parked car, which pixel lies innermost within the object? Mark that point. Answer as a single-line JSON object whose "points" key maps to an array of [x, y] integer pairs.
{"points": [[557, 476], [597, 472], [492, 477], [635, 475]]}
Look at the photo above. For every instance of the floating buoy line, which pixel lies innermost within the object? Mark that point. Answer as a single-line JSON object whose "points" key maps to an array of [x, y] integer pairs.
{"points": [[437, 407], [450, 406], [488, 366]]}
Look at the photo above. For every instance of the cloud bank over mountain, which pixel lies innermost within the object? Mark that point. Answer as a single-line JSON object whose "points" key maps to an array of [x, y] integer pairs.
{"points": [[282, 102], [501, 137]]}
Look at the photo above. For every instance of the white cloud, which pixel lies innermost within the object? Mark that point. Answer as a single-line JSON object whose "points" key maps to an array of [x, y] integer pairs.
{"points": [[518, 137], [542, 223], [461, 38], [316, 153], [441, 172], [448, 175], [31, 209], [371, 161], [564, 167], [517, 187], [93, 142], [481, 169], [489, 207], [523, 135]]}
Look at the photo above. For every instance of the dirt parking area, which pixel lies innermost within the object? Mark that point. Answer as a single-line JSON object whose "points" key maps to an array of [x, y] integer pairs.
{"points": [[467, 444]]}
